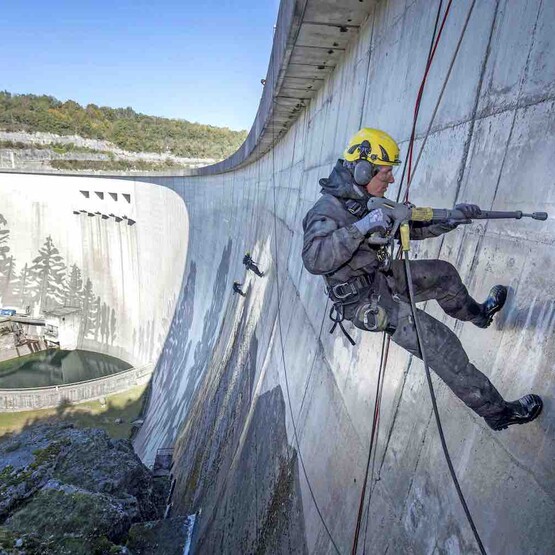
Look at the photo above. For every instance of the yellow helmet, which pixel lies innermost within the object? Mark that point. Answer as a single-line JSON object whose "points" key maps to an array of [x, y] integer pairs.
{"points": [[373, 145]]}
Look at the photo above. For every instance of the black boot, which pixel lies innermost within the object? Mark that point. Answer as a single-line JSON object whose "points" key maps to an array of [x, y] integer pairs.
{"points": [[521, 411], [493, 304]]}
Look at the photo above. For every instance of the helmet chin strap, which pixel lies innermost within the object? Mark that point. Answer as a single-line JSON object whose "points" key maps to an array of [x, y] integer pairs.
{"points": [[364, 171]]}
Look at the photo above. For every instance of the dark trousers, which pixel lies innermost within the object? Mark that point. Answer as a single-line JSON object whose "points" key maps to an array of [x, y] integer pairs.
{"points": [[439, 280], [253, 267]]}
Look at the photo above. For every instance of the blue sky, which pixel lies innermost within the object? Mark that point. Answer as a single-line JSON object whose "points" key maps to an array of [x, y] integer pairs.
{"points": [[188, 59]]}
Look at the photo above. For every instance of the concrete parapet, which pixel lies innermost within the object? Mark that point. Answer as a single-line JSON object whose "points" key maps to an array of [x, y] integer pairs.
{"points": [[16, 400]]}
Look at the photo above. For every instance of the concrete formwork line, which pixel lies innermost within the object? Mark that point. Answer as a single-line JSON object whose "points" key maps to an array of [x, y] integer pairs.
{"points": [[319, 350], [276, 263], [472, 120], [370, 49], [522, 81], [482, 236], [446, 80]]}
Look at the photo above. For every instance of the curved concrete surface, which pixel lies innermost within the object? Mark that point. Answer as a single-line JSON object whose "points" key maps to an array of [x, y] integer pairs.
{"points": [[223, 386]]}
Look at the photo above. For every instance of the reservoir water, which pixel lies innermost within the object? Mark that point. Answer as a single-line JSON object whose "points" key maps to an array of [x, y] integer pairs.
{"points": [[57, 367]]}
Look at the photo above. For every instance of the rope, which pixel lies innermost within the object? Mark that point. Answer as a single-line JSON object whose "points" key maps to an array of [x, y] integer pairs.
{"points": [[410, 284], [386, 338], [373, 434], [434, 405], [410, 175], [421, 93], [431, 54], [445, 81], [386, 355], [413, 304]]}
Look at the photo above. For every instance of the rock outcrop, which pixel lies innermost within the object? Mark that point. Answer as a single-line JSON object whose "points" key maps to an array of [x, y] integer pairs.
{"points": [[70, 490]]}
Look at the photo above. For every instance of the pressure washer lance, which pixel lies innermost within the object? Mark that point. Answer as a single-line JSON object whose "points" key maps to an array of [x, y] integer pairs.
{"points": [[402, 214]]}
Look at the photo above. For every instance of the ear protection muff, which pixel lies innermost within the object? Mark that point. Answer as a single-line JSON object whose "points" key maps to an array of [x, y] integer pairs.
{"points": [[364, 171]]}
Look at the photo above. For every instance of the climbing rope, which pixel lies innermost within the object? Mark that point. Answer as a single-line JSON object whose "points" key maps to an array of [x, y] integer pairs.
{"points": [[440, 96], [386, 338], [373, 435], [410, 176], [434, 405], [433, 47], [415, 313]]}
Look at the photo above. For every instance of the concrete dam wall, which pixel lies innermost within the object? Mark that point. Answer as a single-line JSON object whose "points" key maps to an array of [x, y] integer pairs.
{"points": [[270, 415], [220, 389]]}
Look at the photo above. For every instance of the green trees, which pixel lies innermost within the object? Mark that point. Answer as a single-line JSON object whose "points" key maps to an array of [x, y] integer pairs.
{"points": [[122, 126]]}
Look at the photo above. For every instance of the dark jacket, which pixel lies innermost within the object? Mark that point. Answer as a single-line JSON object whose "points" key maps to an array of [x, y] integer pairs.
{"points": [[333, 246]]}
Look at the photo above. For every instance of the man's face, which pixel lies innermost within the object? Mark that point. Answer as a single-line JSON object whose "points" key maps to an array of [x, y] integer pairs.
{"points": [[379, 183]]}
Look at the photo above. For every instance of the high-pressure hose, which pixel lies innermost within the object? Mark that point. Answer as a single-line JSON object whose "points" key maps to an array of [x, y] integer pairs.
{"points": [[419, 336]]}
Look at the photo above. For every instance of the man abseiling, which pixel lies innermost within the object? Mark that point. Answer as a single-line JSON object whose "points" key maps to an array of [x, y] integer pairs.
{"points": [[370, 290]]}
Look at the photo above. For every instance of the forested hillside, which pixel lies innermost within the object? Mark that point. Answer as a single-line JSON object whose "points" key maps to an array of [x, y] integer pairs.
{"points": [[124, 127]]}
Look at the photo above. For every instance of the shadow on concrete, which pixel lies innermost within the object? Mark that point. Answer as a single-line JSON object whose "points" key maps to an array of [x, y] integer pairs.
{"points": [[240, 469]]}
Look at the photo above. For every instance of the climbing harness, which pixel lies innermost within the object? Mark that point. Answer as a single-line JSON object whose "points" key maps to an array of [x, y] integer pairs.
{"points": [[345, 294], [337, 316]]}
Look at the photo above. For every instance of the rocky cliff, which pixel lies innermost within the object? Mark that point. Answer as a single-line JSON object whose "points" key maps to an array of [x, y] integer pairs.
{"points": [[65, 490]]}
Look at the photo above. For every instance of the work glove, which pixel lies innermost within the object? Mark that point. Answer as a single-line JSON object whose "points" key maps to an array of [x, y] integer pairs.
{"points": [[376, 221], [451, 224], [469, 210]]}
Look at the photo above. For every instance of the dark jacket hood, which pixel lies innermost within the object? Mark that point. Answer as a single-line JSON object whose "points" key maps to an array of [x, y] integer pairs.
{"points": [[340, 184]]}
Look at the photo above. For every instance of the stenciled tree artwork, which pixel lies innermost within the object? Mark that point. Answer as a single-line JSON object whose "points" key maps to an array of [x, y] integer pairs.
{"points": [[4, 236], [113, 321], [48, 281], [105, 323], [22, 290], [48, 271], [73, 291], [4, 257], [88, 316], [9, 281], [96, 321]]}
